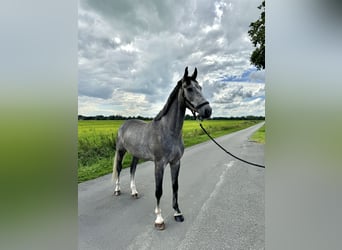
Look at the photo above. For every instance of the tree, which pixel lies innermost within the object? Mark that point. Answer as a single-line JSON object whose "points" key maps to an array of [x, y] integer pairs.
{"points": [[257, 35]]}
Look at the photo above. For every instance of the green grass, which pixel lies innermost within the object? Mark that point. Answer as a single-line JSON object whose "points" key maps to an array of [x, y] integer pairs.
{"points": [[193, 134], [96, 142], [259, 135]]}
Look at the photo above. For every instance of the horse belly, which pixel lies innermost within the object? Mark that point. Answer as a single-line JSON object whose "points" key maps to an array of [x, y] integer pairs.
{"points": [[133, 137], [138, 147], [142, 153]]}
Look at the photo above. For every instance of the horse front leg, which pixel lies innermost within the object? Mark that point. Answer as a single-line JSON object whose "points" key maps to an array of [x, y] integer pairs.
{"points": [[159, 173], [174, 175]]}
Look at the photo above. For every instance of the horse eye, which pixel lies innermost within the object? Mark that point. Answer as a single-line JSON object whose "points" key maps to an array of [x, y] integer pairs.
{"points": [[190, 89]]}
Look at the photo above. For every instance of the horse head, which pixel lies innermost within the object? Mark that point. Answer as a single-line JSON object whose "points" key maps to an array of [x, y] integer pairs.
{"points": [[192, 93]]}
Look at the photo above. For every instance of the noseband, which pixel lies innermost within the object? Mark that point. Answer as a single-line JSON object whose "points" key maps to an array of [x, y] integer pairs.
{"points": [[192, 107]]}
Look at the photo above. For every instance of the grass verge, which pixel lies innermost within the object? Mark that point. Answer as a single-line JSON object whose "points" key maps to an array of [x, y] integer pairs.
{"points": [[259, 135]]}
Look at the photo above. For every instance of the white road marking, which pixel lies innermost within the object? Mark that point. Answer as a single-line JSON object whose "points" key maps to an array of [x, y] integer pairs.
{"points": [[204, 209]]}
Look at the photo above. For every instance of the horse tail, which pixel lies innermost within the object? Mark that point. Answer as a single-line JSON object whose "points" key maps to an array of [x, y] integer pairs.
{"points": [[115, 171]]}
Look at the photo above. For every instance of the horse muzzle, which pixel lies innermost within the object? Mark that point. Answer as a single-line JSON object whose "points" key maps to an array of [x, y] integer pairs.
{"points": [[204, 110]]}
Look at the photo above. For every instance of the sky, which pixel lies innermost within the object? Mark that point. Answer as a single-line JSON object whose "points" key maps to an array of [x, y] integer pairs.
{"points": [[132, 53]]}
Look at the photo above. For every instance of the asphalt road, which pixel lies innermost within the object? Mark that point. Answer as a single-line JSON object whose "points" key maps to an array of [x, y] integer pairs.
{"points": [[221, 198]]}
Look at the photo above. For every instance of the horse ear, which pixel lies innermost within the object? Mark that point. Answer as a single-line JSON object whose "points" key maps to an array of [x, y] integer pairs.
{"points": [[194, 75], [185, 72]]}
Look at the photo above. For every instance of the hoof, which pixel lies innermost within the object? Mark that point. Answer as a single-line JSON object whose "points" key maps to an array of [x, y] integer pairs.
{"points": [[117, 193], [179, 218], [160, 226], [136, 196]]}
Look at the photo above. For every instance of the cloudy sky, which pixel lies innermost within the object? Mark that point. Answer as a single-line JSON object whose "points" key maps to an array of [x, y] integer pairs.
{"points": [[132, 53]]}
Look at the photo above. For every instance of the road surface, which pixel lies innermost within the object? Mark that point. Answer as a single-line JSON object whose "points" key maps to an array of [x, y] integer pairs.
{"points": [[221, 198]]}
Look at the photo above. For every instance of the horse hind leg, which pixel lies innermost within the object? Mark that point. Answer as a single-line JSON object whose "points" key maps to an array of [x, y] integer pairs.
{"points": [[158, 173], [117, 166], [132, 171]]}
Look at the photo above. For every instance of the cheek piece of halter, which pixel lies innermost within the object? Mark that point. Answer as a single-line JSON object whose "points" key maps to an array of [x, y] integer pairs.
{"points": [[193, 108]]}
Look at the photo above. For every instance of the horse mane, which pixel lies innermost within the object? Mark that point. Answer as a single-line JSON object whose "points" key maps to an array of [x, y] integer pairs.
{"points": [[169, 101]]}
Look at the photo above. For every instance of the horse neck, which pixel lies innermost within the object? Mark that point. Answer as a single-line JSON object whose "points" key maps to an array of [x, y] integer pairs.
{"points": [[174, 119]]}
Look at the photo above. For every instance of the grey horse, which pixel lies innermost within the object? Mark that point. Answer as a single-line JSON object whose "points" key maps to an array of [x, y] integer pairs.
{"points": [[161, 140]]}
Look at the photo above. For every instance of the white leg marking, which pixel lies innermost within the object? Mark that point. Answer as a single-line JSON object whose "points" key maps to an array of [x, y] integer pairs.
{"points": [[159, 219], [117, 185], [133, 188], [177, 214]]}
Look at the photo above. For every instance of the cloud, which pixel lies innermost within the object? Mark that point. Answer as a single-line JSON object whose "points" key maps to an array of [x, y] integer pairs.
{"points": [[234, 98], [133, 49], [249, 75]]}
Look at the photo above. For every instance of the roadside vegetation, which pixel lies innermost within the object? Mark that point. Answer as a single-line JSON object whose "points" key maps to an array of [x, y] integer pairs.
{"points": [[96, 142], [259, 135]]}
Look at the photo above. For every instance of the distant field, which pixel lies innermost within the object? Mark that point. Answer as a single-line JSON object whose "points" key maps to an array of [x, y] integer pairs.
{"points": [[96, 142]]}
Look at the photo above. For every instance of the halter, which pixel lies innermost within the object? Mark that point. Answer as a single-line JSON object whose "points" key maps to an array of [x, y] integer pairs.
{"points": [[193, 108]]}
